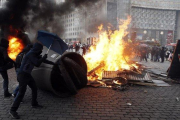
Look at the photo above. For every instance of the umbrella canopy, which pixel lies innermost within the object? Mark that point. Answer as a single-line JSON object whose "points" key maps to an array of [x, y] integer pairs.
{"points": [[53, 41]]}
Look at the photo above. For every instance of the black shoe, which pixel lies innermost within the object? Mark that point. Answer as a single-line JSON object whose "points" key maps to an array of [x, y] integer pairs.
{"points": [[37, 106], [7, 95], [14, 114]]}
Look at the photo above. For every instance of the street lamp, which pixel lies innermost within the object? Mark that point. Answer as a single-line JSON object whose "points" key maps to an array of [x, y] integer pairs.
{"points": [[144, 36], [162, 33], [161, 36], [145, 32]]}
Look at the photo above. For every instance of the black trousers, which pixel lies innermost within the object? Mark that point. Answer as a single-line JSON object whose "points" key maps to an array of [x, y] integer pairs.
{"points": [[162, 58], [25, 79], [5, 81]]}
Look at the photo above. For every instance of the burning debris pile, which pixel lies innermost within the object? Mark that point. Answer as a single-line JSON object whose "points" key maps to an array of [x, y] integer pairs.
{"points": [[110, 61], [109, 54]]}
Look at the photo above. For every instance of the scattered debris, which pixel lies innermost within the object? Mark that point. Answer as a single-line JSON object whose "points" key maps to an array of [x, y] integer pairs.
{"points": [[96, 68], [121, 80], [146, 78], [129, 104], [177, 98], [143, 83], [163, 74], [160, 83], [94, 84]]}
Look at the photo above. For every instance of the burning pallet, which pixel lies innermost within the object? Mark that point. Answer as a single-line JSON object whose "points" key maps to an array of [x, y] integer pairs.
{"points": [[119, 80], [128, 75]]}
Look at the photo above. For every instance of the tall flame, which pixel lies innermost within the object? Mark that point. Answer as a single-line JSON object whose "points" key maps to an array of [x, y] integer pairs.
{"points": [[109, 52], [15, 47]]}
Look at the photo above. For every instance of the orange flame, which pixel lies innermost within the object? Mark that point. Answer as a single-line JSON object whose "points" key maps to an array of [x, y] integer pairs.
{"points": [[109, 51], [15, 47]]}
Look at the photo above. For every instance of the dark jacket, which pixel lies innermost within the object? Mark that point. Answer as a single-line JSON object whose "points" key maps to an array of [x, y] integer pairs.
{"points": [[33, 58], [162, 53], [4, 58]]}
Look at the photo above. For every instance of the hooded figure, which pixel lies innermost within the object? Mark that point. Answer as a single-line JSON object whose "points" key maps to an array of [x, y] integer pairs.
{"points": [[19, 59], [4, 60], [31, 59]]}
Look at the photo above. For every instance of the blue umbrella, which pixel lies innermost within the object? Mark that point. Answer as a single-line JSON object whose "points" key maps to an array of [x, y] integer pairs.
{"points": [[52, 41]]}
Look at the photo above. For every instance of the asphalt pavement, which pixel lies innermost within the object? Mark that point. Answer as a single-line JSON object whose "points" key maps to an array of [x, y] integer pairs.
{"points": [[136, 103]]}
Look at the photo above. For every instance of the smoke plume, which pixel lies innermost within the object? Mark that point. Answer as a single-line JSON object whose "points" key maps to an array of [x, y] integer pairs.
{"points": [[34, 15]]}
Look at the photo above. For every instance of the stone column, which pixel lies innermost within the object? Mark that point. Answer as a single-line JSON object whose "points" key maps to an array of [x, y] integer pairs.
{"points": [[178, 25]]}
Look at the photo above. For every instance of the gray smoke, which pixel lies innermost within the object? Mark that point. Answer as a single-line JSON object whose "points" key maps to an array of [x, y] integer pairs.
{"points": [[34, 15]]}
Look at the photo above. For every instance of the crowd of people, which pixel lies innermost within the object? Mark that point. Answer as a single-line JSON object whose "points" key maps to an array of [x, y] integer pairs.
{"points": [[155, 53], [77, 46]]}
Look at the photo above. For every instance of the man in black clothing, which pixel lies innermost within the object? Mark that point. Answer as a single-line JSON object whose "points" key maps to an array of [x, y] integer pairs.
{"points": [[84, 49], [31, 59], [19, 59], [4, 62], [162, 54]]}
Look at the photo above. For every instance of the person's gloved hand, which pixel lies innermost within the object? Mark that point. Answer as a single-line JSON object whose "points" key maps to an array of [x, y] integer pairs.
{"points": [[45, 56]]}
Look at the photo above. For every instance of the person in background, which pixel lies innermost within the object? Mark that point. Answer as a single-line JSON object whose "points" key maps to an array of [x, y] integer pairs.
{"points": [[167, 54], [157, 54], [143, 53], [170, 59], [170, 56], [84, 49], [162, 53], [5, 63], [153, 50], [77, 47]]}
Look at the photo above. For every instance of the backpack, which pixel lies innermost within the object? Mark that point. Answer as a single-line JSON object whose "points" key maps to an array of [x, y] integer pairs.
{"points": [[19, 59]]}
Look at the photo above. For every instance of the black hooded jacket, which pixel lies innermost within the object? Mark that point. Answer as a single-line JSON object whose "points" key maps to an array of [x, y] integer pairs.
{"points": [[162, 53], [4, 58], [33, 58]]}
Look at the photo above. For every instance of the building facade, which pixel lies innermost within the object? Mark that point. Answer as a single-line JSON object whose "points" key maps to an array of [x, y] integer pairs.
{"points": [[123, 9], [156, 20], [1, 3], [83, 23]]}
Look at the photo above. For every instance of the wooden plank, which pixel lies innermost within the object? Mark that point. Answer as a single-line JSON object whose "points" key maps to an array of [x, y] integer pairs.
{"points": [[161, 83], [143, 83]]}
